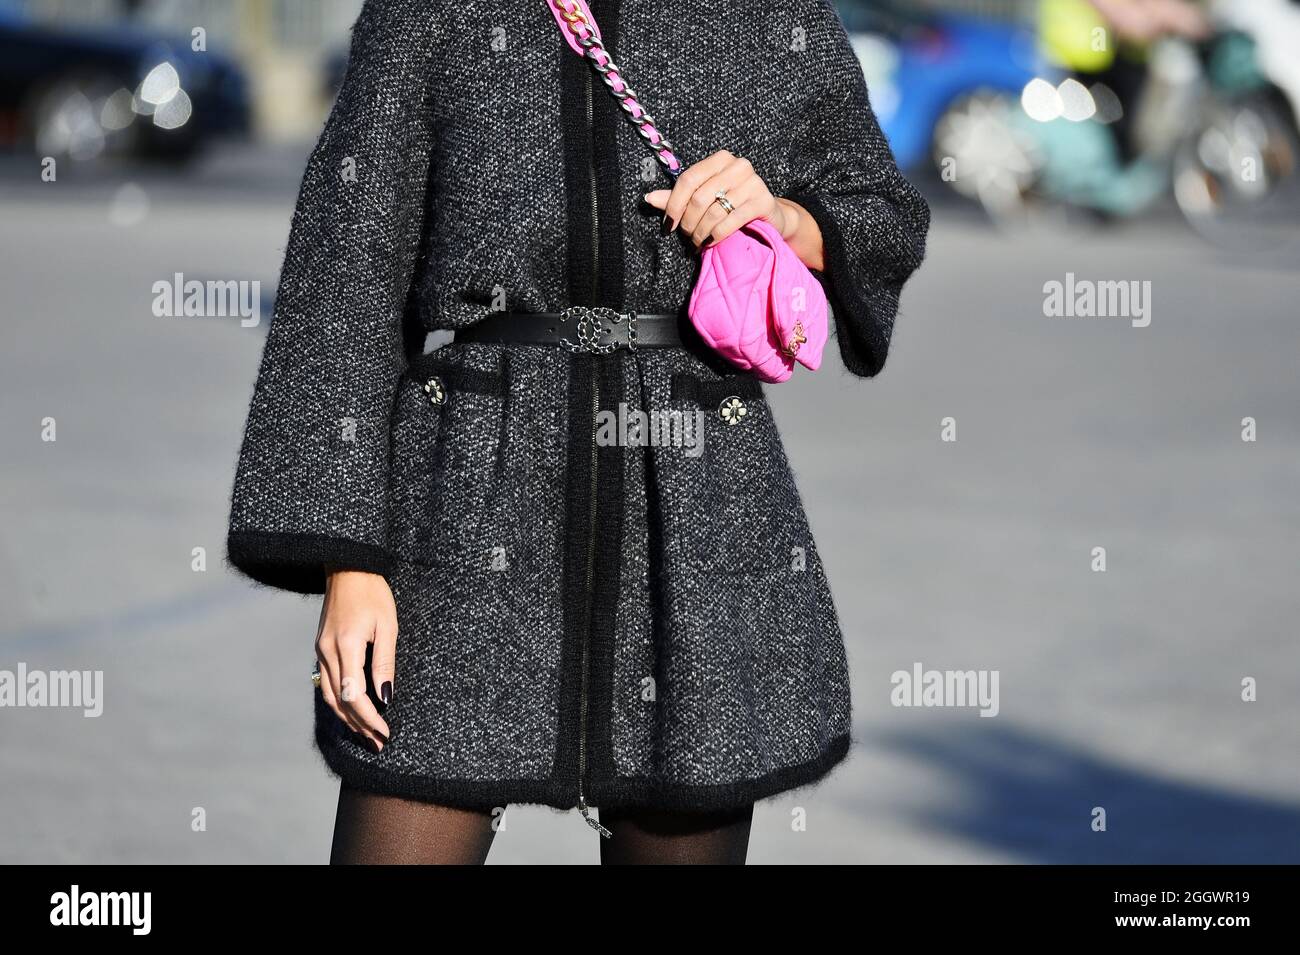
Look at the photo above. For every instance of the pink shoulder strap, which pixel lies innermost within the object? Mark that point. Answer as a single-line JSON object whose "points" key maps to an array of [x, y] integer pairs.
{"points": [[583, 36]]}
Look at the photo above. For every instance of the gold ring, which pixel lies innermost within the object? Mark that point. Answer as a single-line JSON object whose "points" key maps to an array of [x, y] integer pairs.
{"points": [[720, 197], [315, 678]]}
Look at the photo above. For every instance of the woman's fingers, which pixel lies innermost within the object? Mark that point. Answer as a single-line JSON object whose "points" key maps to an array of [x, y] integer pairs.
{"points": [[703, 205], [327, 688], [330, 679], [358, 611], [692, 206], [747, 195], [383, 659], [690, 180], [743, 213], [355, 700]]}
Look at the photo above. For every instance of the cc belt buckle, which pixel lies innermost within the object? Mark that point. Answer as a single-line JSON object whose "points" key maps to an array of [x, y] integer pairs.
{"points": [[591, 325]]}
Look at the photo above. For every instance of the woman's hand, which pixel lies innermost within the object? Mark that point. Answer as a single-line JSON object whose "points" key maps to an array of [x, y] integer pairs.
{"points": [[692, 206], [358, 610]]}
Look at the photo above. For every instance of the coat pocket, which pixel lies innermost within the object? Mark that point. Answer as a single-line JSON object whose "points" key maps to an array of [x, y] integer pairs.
{"points": [[445, 474], [748, 510]]}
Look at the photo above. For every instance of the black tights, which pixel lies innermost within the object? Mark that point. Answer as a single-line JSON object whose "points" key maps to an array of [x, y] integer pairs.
{"points": [[370, 828]]}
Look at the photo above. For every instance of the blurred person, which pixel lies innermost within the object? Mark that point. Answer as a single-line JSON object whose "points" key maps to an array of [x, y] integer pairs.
{"points": [[517, 610], [1116, 166], [1120, 64]]}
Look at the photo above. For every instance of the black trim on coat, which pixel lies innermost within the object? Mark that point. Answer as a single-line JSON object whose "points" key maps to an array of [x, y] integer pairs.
{"points": [[593, 545], [608, 117], [457, 376], [585, 146], [297, 562], [637, 793], [610, 505], [863, 347], [710, 393], [578, 499], [576, 143], [626, 793]]}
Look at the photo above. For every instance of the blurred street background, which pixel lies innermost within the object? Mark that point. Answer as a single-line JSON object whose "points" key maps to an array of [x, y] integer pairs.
{"points": [[1168, 434]]}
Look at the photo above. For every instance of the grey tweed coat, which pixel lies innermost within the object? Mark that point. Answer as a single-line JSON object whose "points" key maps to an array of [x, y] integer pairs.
{"points": [[638, 625]]}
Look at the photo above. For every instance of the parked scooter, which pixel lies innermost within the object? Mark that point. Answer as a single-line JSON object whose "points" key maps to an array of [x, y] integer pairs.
{"points": [[1238, 166], [1212, 121]]}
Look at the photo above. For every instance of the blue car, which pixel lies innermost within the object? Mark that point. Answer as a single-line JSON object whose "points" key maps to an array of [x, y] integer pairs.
{"points": [[946, 89], [922, 68], [91, 92]]}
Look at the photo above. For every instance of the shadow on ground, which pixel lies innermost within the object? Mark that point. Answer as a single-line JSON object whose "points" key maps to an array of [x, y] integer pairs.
{"points": [[1033, 797]]}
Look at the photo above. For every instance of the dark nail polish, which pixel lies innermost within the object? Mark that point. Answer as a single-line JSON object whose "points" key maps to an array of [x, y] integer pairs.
{"points": [[665, 226], [386, 692], [370, 744], [708, 241]]}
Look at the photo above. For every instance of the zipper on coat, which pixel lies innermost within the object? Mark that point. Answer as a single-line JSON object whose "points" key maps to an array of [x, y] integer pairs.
{"points": [[589, 616], [588, 619]]}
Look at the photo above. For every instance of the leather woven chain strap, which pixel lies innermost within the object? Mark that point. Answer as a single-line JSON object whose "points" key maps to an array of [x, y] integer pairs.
{"points": [[584, 38]]}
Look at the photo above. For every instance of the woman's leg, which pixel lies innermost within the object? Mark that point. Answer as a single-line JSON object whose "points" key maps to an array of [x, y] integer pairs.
{"points": [[651, 837], [374, 829]]}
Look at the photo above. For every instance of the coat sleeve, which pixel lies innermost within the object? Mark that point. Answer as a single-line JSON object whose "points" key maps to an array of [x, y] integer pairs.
{"points": [[873, 221], [311, 485]]}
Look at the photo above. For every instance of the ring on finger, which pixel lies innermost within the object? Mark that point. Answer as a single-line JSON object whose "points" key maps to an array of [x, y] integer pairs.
{"points": [[720, 197]]}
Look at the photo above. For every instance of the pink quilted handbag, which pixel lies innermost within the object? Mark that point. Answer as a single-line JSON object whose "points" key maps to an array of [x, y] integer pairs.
{"points": [[754, 302]]}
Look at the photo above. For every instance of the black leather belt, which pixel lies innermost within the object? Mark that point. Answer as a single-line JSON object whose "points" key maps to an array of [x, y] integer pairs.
{"points": [[579, 328]]}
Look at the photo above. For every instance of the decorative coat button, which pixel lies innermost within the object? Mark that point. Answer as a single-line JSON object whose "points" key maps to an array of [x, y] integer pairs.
{"points": [[732, 410], [436, 391]]}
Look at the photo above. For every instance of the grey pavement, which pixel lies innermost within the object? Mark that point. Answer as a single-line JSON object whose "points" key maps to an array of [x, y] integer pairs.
{"points": [[1119, 690]]}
